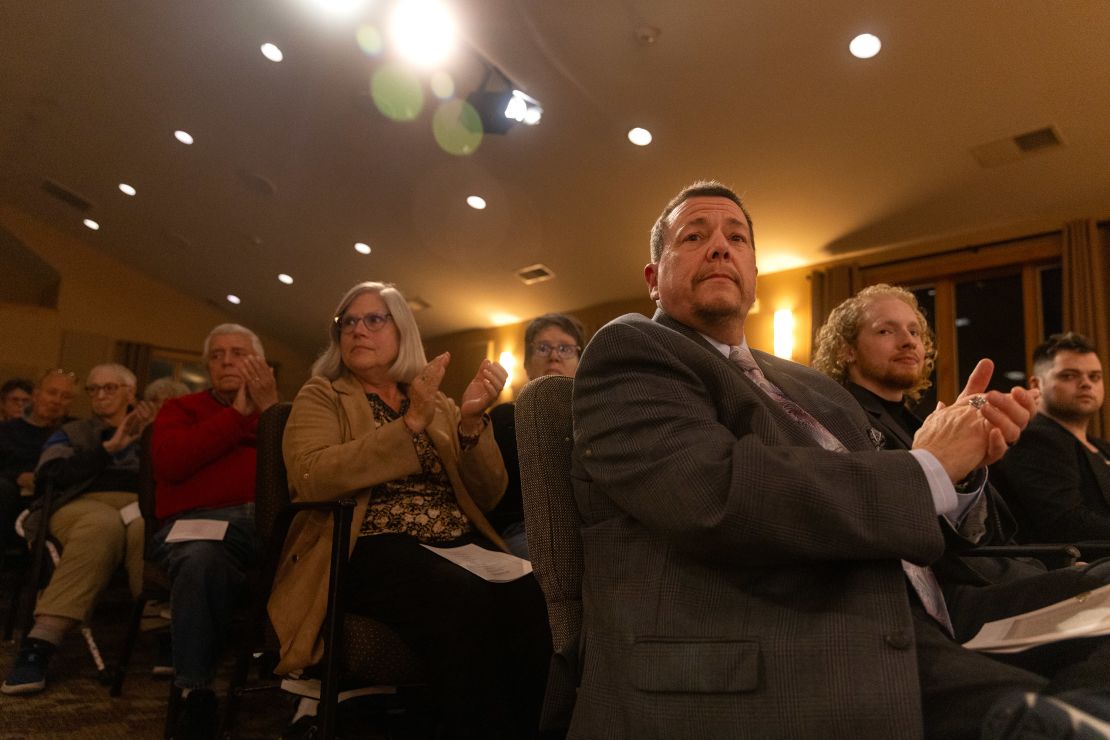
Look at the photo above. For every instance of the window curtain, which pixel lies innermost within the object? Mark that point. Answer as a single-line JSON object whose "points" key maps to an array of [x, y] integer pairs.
{"points": [[830, 287], [1086, 305]]}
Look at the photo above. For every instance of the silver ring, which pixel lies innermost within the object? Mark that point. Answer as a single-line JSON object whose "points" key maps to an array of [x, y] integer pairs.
{"points": [[978, 401]]}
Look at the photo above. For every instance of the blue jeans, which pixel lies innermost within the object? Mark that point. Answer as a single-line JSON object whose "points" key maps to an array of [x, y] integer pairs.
{"points": [[207, 578]]}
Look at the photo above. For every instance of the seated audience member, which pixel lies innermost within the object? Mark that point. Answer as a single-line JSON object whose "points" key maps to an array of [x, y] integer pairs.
{"points": [[552, 345], [372, 424], [21, 442], [15, 397], [203, 453], [163, 389], [93, 464], [877, 344], [1057, 477], [753, 567]]}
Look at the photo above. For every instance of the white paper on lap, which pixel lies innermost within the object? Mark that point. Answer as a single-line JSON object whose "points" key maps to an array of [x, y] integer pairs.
{"points": [[130, 513], [495, 567], [185, 530]]}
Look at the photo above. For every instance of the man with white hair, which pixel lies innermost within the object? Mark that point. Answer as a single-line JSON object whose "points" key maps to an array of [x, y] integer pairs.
{"points": [[93, 466], [203, 453]]}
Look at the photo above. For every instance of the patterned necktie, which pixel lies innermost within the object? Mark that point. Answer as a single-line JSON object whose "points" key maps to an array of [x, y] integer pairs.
{"points": [[922, 578]]}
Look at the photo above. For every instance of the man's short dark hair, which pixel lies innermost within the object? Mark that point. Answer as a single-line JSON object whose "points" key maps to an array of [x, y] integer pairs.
{"points": [[699, 189], [569, 324], [16, 384], [1045, 352]]}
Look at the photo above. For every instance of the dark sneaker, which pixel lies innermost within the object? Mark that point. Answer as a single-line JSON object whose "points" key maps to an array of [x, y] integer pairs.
{"points": [[163, 664], [28, 675], [1029, 716], [197, 720]]}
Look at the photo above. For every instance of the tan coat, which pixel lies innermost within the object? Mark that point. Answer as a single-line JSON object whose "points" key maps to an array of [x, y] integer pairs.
{"points": [[332, 449]]}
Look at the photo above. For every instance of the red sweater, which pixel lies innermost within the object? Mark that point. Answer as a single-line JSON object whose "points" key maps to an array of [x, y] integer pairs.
{"points": [[203, 454]]}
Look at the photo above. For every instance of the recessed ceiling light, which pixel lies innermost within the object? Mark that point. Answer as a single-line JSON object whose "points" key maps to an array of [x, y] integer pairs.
{"points": [[183, 137], [91, 224], [126, 189], [639, 136], [271, 52], [232, 298], [865, 46], [362, 248], [285, 279], [476, 202]]}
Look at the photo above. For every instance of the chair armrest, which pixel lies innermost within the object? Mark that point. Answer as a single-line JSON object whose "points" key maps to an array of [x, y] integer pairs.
{"points": [[1063, 553]]}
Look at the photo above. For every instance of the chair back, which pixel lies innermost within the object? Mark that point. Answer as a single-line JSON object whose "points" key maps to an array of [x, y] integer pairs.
{"points": [[271, 484], [544, 433]]}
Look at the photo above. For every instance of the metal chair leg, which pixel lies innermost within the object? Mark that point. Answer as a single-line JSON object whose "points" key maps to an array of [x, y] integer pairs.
{"points": [[128, 647]]}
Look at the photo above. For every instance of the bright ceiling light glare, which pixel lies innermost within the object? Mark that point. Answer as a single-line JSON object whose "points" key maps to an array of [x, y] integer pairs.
{"points": [[126, 189], [183, 137], [362, 248], [232, 298], [639, 136], [91, 224], [476, 202], [271, 52], [865, 46], [287, 279], [424, 31]]}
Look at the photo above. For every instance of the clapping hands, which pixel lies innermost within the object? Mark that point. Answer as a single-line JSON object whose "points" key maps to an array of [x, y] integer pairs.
{"points": [[259, 388], [132, 426]]}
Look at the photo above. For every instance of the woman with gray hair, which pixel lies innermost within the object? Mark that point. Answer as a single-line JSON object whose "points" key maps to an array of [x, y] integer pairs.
{"points": [[372, 424]]}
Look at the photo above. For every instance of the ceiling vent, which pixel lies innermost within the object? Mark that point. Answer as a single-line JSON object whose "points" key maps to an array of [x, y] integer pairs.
{"points": [[66, 195], [534, 274], [1013, 148]]}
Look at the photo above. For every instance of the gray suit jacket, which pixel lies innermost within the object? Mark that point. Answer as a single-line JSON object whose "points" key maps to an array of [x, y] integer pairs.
{"points": [[740, 581]]}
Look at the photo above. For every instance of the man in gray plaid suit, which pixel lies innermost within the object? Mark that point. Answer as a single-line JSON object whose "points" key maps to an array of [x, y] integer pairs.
{"points": [[746, 546]]}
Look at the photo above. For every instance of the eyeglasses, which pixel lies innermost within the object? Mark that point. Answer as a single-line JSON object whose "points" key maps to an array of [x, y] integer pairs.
{"points": [[372, 321], [109, 388], [564, 351]]}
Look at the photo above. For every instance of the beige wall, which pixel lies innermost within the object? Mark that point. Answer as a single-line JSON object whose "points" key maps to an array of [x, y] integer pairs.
{"points": [[102, 301]]}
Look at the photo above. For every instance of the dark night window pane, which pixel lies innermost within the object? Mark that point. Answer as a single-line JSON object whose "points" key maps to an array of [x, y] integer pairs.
{"points": [[927, 300], [1052, 302], [989, 324]]}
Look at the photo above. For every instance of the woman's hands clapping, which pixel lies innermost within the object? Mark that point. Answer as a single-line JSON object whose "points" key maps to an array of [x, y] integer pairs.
{"points": [[479, 394], [482, 391]]}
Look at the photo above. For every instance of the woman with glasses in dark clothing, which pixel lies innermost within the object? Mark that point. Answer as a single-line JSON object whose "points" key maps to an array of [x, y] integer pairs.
{"points": [[372, 424], [552, 346]]}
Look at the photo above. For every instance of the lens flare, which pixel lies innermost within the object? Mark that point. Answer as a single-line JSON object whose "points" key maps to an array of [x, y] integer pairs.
{"points": [[397, 93], [457, 128]]}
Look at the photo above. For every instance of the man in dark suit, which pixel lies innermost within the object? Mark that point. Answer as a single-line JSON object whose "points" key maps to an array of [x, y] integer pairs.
{"points": [[746, 548], [1057, 477], [877, 344]]}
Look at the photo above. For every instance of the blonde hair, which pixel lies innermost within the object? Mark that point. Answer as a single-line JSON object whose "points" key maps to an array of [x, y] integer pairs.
{"points": [[841, 330], [410, 351]]}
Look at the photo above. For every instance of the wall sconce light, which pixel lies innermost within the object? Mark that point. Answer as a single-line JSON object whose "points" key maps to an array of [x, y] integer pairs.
{"points": [[784, 334], [508, 361]]}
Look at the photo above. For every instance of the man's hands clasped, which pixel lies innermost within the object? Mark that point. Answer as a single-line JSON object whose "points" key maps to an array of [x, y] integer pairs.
{"points": [[976, 430]]}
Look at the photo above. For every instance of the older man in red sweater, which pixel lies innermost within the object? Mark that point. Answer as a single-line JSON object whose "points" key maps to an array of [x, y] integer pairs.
{"points": [[203, 450]]}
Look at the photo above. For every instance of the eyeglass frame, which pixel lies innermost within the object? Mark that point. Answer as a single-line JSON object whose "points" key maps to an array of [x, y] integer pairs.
{"points": [[110, 389], [562, 351], [338, 322]]}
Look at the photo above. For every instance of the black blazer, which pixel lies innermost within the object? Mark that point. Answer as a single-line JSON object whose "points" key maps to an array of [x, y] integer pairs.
{"points": [[1057, 488]]}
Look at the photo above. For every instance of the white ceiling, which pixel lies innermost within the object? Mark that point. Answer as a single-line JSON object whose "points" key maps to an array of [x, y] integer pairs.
{"points": [[832, 154]]}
